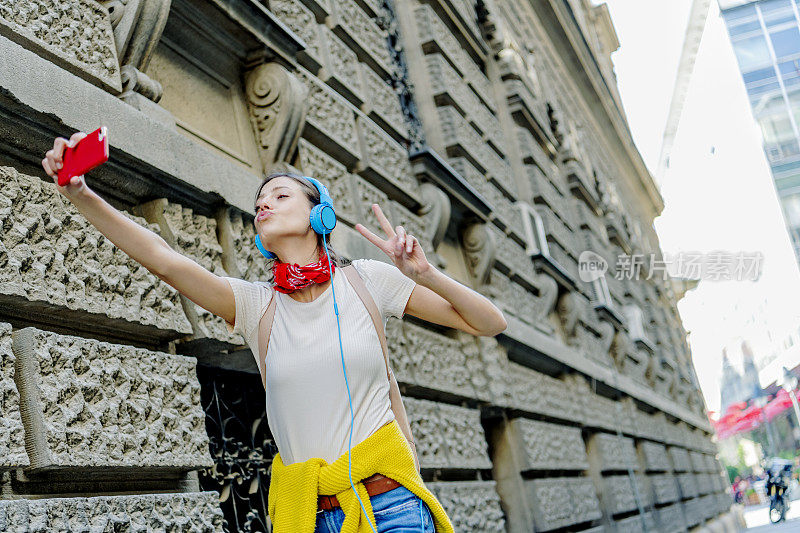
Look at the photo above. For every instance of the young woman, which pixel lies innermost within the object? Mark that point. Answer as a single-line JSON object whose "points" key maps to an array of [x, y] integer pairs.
{"points": [[319, 425]]}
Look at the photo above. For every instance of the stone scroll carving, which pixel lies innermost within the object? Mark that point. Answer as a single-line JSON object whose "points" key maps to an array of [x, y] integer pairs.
{"points": [[480, 249], [582, 330], [568, 313], [436, 212], [277, 102], [138, 25]]}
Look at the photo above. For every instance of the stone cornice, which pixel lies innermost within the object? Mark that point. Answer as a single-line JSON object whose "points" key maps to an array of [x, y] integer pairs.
{"points": [[542, 344], [558, 20]]}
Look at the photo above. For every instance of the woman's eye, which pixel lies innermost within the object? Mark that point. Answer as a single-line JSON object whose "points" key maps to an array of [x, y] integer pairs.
{"points": [[283, 196]]}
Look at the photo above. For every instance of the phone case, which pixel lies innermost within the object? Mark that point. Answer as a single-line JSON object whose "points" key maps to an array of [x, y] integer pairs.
{"points": [[89, 153]]}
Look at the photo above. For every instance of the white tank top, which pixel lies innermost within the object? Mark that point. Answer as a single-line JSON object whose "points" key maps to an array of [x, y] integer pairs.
{"points": [[307, 404]]}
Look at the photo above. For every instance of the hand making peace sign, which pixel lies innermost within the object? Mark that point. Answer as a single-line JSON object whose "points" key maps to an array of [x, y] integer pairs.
{"points": [[402, 248]]}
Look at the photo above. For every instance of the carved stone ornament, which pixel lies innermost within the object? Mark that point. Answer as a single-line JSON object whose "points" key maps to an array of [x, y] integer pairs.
{"points": [[568, 314], [620, 349], [436, 213], [548, 294], [277, 101], [480, 250], [138, 25]]}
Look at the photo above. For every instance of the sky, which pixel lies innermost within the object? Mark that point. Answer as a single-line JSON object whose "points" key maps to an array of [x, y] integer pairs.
{"points": [[718, 191]]}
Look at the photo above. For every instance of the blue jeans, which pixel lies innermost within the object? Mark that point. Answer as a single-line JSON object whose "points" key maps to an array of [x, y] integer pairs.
{"points": [[396, 511]]}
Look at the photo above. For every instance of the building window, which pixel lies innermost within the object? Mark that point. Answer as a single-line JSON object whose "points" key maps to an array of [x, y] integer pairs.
{"points": [[737, 13], [786, 42], [764, 75], [747, 27], [752, 53], [774, 5]]}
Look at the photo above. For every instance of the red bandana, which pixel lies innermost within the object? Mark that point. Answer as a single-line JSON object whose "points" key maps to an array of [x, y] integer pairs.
{"points": [[291, 277]]}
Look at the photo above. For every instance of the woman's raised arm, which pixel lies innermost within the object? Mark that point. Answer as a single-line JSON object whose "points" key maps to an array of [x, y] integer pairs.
{"points": [[204, 288]]}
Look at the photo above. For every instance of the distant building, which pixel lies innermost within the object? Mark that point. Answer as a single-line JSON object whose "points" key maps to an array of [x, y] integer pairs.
{"points": [[766, 39], [738, 385]]}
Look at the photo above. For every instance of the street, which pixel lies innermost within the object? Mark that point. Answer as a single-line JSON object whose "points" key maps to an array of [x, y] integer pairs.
{"points": [[757, 519]]}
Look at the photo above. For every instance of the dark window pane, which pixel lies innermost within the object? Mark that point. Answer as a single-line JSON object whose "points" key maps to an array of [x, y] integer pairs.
{"points": [[788, 67], [794, 80], [782, 18], [772, 5], [739, 12], [786, 42], [760, 74], [747, 27]]}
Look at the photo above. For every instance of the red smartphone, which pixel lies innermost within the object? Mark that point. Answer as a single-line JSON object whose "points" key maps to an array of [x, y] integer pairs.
{"points": [[89, 153]]}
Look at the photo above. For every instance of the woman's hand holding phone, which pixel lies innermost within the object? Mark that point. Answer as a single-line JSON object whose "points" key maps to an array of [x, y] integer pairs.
{"points": [[53, 162]]}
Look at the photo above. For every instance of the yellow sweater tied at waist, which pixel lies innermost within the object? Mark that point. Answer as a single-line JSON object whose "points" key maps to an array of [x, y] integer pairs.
{"points": [[294, 488]]}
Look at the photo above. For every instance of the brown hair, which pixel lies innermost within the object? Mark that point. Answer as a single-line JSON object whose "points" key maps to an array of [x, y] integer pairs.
{"points": [[314, 198]]}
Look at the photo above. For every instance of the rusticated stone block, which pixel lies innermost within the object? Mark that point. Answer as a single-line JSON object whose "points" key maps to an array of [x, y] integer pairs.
{"points": [[688, 485], [301, 21], [705, 483], [76, 35], [87, 403], [664, 488], [194, 236], [679, 458], [433, 360], [698, 461], [649, 426], [634, 524], [340, 183], [723, 502], [604, 413], [361, 33], [435, 37], [383, 106], [538, 393], [560, 502], [385, 159], [330, 120], [54, 262], [611, 452], [693, 512], [654, 456], [547, 446], [708, 506], [619, 494], [471, 505], [671, 519], [191, 512], [12, 442], [447, 436]]}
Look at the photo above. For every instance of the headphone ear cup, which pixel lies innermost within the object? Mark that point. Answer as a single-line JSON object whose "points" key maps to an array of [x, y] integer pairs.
{"points": [[322, 218], [266, 253]]}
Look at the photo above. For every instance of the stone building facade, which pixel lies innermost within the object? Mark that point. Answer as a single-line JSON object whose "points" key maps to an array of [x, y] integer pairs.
{"points": [[492, 130]]}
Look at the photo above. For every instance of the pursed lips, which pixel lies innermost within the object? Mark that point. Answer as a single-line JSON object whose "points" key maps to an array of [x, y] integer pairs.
{"points": [[264, 215]]}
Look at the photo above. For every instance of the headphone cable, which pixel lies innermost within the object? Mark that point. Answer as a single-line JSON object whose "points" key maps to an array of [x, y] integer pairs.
{"points": [[352, 415]]}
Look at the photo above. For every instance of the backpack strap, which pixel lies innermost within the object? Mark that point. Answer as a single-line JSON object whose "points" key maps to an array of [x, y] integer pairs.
{"points": [[264, 329], [265, 324]]}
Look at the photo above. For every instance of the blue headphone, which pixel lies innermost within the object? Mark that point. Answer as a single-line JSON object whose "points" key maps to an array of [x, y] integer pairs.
{"points": [[322, 217]]}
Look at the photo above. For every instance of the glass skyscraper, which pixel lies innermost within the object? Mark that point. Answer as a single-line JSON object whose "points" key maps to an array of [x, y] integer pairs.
{"points": [[766, 39]]}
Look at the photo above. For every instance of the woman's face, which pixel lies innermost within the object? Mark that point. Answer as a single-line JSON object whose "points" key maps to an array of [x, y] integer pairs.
{"points": [[282, 211]]}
